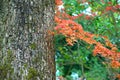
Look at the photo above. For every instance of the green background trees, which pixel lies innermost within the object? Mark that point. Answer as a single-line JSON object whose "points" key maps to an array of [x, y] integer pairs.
{"points": [[97, 17]]}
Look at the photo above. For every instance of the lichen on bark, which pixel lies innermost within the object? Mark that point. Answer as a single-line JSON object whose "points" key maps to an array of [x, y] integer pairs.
{"points": [[27, 39]]}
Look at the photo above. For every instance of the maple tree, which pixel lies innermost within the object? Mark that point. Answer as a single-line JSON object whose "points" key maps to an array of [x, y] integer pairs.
{"points": [[73, 31]]}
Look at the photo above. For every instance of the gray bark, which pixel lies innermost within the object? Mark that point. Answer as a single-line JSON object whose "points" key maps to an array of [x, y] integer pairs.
{"points": [[27, 46]]}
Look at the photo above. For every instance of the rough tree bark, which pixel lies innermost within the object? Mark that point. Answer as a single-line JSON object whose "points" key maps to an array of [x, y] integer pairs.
{"points": [[28, 47]]}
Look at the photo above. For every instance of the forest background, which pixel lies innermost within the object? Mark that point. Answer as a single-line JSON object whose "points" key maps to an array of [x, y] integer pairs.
{"points": [[87, 39]]}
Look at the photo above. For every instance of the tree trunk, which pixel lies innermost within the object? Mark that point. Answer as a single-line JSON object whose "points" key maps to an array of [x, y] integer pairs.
{"points": [[28, 52]]}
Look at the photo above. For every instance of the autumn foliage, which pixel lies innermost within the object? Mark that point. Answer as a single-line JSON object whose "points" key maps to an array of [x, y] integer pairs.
{"points": [[73, 31]]}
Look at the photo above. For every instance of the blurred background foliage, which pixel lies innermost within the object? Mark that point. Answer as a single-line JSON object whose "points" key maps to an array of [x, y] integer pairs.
{"points": [[78, 60]]}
